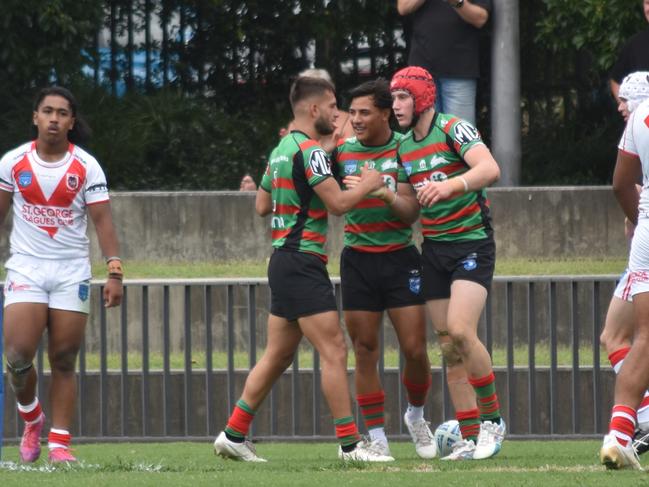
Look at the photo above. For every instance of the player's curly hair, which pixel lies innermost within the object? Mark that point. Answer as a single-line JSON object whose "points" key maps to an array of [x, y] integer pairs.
{"points": [[81, 131]]}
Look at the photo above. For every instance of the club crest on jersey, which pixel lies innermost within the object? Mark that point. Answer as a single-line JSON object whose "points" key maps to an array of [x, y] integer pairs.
{"points": [[25, 179], [414, 282], [84, 291], [319, 163], [72, 182], [350, 167], [470, 263], [408, 167]]}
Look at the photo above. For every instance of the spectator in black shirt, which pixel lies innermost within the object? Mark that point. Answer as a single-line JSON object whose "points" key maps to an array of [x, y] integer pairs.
{"points": [[445, 41], [634, 56]]}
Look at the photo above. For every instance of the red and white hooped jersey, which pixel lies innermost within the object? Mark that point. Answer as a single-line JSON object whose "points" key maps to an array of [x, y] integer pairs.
{"points": [[635, 141], [50, 199]]}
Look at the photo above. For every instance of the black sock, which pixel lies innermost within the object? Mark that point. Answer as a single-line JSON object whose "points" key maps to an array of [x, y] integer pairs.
{"points": [[348, 448], [235, 439], [495, 420]]}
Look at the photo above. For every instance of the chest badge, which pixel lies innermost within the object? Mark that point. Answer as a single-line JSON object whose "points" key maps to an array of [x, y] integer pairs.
{"points": [[25, 179], [72, 182]]}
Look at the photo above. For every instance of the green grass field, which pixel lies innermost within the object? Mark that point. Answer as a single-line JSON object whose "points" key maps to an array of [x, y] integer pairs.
{"points": [[550, 463], [504, 267]]}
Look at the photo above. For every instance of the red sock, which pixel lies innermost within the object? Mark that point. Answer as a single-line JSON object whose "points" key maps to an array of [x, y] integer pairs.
{"points": [[58, 439], [240, 419], [469, 423], [372, 408], [417, 392], [622, 426], [616, 358], [31, 412]]}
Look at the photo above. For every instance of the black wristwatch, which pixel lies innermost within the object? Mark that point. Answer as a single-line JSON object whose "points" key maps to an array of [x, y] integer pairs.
{"points": [[458, 4]]}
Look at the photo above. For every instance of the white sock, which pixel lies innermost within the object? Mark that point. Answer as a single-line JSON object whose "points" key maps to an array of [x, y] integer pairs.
{"points": [[378, 434], [415, 413], [27, 408]]}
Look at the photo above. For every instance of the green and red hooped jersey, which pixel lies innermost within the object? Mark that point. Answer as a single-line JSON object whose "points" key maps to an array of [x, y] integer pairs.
{"points": [[299, 218], [371, 226], [437, 157]]}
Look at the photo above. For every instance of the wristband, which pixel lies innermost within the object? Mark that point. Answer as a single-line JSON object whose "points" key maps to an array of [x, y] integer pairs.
{"points": [[116, 276], [466, 185], [114, 257]]}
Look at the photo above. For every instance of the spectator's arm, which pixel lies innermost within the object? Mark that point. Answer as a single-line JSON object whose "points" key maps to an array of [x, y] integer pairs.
{"points": [[472, 14], [406, 7]]}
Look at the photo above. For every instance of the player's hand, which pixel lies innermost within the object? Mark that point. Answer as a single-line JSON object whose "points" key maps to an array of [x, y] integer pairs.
{"points": [[113, 292], [434, 191], [351, 181], [372, 178]]}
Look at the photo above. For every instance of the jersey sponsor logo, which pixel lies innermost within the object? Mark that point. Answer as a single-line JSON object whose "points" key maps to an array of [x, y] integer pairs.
{"points": [[438, 176], [389, 182], [319, 163], [25, 178], [470, 263], [277, 222], [72, 182], [350, 167], [389, 164], [465, 133], [84, 291], [437, 161], [97, 188], [48, 216]]}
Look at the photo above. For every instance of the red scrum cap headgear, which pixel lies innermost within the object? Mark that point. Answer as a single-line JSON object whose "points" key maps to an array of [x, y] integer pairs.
{"points": [[418, 83]]}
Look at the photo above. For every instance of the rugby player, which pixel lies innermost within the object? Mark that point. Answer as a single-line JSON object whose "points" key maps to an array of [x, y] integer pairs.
{"points": [[618, 327], [380, 268], [53, 184], [298, 189], [631, 384], [449, 166]]}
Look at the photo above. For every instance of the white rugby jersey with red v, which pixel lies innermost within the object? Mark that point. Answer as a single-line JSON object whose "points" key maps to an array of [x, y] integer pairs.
{"points": [[49, 214]]}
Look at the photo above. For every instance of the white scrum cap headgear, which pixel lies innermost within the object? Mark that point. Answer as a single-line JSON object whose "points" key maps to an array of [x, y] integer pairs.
{"points": [[635, 89]]}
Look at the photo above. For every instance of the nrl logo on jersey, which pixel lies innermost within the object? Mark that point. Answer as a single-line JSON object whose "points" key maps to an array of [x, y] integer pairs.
{"points": [[408, 167], [319, 163], [25, 178], [350, 167]]}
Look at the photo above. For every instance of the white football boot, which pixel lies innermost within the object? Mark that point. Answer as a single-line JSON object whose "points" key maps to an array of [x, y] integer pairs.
{"points": [[490, 439], [244, 451], [462, 450], [617, 457], [366, 451], [422, 437]]}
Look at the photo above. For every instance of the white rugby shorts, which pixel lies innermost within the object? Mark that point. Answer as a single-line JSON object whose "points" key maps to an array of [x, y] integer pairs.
{"points": [[61, 284], [623, 288], [639, 258]]}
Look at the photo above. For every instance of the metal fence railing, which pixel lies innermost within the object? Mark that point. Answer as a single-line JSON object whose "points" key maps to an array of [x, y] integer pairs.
{"points": [[171, 362]]}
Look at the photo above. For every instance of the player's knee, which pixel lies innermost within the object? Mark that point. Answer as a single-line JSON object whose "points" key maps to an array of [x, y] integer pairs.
{"points": [[365, 349], [415, 351], [64, 360], [18, 366], [335, 354], [450, 354]]}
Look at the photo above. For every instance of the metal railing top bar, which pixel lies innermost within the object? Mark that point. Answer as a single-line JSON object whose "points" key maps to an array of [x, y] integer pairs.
{"points": [[245, 281]]}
